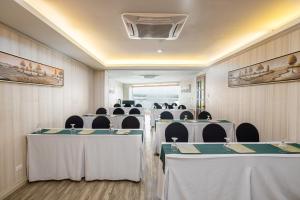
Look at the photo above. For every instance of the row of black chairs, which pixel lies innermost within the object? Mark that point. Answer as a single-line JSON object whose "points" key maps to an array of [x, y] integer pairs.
{"points": [[128, 105], [245, 132], [168, 106], [118, 111], [186, 115], [102, 122]]}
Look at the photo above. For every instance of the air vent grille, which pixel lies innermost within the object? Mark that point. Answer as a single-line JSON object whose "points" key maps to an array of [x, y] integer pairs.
{"points": [[153, 26]]}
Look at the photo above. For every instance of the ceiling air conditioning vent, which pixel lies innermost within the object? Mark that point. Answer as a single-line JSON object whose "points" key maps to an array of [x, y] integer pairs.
{"points": [[153, 25]]}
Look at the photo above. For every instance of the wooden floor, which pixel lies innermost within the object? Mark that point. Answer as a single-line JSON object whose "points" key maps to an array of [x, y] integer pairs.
{"points": [[97, 190]]}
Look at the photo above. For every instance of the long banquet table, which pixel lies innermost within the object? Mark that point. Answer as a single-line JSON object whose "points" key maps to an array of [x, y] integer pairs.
{"points": [[194, 127], [115, 120], [155, 114], [100, 154], [217, 172], [126, 110]]}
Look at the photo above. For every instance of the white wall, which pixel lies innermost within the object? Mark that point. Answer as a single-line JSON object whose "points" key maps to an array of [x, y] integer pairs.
{"points": [[273, 108], [23, 106], [115, 92], [188, 99]]}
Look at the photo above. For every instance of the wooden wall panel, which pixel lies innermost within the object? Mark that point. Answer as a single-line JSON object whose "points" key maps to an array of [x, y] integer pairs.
{"points": [[23, 107], [273, 108]]}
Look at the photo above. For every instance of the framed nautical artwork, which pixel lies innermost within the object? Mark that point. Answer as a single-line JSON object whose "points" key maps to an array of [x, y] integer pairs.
{"points": [[281, 69], [21, 70]]}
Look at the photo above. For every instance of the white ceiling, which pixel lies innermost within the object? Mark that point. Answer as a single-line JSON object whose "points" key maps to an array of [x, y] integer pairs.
{"points": [[136, 76], [96, 35]]}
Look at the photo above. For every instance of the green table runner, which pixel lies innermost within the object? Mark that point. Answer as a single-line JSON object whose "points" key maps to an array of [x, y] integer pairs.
{"points": [[96, 132], [221, 149]]}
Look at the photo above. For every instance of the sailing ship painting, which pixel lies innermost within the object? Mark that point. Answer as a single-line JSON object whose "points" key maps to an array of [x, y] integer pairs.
{"points": [[16, 69], [281, 69]]}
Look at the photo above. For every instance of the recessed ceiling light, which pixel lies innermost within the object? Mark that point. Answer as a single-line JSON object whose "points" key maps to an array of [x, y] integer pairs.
{"points": [[159, 51]]}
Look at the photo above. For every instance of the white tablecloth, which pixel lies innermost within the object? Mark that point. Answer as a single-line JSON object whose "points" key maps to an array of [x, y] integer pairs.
{"points": [[194, 129], [115, 120], [126, 110], [230, 177], [155, 114], [96, 157]]}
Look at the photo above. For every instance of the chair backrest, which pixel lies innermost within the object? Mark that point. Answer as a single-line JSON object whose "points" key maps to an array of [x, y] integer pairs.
{"points": [[166, 115], [204, 115], [165, 105], [134, 111], [138, 105], [177, 130], [188, 114], [127, 105], [118, 111], [182, 107], [158, 107], [174, 104], [117, 105], [101, 111], [170, 107], [101, 122], [78, 121], [214, 133], [247, 132], [131, 122]]}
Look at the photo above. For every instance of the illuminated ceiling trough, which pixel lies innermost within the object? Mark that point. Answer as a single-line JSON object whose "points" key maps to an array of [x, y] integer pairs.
{"points": [[214, 29]]}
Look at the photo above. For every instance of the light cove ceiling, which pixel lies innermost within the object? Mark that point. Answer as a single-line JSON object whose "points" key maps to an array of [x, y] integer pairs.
{"points": [[213, 30]]}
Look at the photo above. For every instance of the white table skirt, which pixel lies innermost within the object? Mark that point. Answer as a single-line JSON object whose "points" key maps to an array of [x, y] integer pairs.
{"points": [[126, 110], [155, 114], [230, 177], [96, 157], [115, 120], [194, 129]]}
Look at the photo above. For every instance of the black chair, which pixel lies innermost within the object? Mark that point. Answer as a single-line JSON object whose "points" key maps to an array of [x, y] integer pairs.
{"points": [[174, 104], [182, 107], [204, 115], [247, 132], [170, 107], [117, 105], [101, 111], [214, 133], [134, 111], [138, 105], [177, 130], [188, 114], [130, 122], [101, 122], [78, 121], [127, 105], [118, 111], [158, 106], [165, 105], [166, 115]]}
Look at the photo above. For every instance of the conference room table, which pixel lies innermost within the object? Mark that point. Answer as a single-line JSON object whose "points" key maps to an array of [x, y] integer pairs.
{"points": [[155, 114], [249, 171], [126, 110], [194, 127], [96, 154], [115, 120]]}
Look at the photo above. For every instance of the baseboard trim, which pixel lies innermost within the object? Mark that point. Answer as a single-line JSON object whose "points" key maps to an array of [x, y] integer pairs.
{"points": [[8, 192]]}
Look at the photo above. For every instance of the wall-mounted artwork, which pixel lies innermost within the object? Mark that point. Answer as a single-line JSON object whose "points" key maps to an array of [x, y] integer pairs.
{"points": [[16, 69], [281, 69], [186, 88]]}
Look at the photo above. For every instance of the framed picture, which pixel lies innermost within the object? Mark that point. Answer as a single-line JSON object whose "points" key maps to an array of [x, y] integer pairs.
{"points": [[21, 70], [281, 69]]}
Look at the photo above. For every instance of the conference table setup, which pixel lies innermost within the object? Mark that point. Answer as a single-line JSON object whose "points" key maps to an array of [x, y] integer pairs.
{"points": [[92, 154], [156, 113], [115, 120], [194, 128], [229, 171]]}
